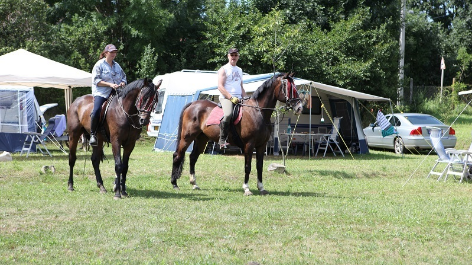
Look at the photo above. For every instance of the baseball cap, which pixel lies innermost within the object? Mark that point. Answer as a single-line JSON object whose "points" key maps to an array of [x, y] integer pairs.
{"points": [[233, 50], [110, 48]]}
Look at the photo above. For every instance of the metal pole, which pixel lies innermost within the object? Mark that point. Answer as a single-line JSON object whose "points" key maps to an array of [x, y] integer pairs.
{"points": [[442, 79], [402, 53]]}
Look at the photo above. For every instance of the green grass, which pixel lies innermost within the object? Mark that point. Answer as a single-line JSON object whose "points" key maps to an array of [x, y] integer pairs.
{"points": [[371, 209]]}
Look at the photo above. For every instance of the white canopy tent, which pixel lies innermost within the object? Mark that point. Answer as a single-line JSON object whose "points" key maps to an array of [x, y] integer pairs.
{"points": [[23, 68]]}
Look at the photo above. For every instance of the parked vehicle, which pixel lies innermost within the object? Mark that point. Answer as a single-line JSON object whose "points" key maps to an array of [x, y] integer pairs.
{"points": [[156, 115], [412, 132]]}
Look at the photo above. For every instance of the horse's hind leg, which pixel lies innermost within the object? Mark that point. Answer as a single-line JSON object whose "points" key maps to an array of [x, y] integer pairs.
{"points": [[198, 148], [97, 156], [73, 139], [178, 160]]}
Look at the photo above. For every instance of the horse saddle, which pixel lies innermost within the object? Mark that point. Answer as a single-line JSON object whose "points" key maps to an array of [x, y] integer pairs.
{"points": [[105, 105], [217, 114]]}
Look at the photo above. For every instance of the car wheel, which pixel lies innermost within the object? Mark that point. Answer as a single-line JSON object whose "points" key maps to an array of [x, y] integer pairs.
{"points": [[398, 145]]}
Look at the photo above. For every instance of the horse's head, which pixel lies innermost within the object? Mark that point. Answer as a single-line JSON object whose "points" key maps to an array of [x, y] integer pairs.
{"points": [[146, 101], [291, 97]]}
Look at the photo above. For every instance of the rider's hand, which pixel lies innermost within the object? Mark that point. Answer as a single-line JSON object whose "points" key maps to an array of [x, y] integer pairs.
{"points": [[235, 100]]}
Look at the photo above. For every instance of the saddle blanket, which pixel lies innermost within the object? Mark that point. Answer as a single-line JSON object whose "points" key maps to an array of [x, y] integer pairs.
{"points": [[217, 114]]}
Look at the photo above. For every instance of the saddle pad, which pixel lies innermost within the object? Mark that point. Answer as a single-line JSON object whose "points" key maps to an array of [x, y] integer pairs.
{"points": [[217, 114]]}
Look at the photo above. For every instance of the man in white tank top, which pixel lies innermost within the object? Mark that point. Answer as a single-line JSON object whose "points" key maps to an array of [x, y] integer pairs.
{"points": [[230, 85]]}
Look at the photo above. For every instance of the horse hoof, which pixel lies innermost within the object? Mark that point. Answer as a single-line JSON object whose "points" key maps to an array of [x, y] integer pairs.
{"points": [[124, 194], [264, 192], [176, 187], [70, 188], [195, 187], [117, 197], [103, 191], [247, 193]]}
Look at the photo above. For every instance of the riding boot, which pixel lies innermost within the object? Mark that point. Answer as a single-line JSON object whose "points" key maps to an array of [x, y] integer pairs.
{"points": [[93, 129], [223, 135]]}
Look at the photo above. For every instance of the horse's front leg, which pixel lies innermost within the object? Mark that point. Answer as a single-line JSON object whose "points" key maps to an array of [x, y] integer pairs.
{"points": [[247, 170], [126, 154], [118, 169], [259, 165]]}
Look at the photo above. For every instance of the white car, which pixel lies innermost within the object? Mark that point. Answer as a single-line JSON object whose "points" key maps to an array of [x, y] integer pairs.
{"points": [[156, 116], [413, 131]]}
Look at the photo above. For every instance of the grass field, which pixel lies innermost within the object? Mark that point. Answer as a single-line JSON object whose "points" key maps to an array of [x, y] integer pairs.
{"points": [[370, 209]]}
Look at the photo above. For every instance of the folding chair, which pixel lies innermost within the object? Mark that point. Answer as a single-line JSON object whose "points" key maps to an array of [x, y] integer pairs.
{"points": [[326, 140], [56, 127], [56, 134], [457, 161]]}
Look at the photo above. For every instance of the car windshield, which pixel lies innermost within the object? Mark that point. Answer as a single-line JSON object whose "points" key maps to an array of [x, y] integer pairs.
{"points": [[422, 119]]}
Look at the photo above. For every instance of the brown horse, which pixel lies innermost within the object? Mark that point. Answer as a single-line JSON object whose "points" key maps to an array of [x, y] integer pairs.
{"points": [[127, 113], [252, 132]]}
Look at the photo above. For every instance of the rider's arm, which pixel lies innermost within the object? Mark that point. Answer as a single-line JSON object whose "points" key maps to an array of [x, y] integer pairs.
{"points": [[243, 92], [221, 83]]}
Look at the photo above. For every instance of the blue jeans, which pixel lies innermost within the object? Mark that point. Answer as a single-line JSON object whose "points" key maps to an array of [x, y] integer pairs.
{"points": [[95, 115]]}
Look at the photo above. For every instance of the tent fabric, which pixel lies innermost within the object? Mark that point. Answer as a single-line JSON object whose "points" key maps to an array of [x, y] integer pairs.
{"points": [[23, 68], [167, 138], [28, 69], [13, 142], [19, 113]]}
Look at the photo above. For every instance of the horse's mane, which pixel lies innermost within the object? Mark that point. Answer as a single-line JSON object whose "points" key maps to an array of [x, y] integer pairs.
{"points": [[133, 85], [267, 84]]}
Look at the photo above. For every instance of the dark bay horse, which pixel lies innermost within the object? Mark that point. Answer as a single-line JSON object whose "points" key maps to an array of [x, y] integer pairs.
{"points": [[253, 131], [127, 113]]}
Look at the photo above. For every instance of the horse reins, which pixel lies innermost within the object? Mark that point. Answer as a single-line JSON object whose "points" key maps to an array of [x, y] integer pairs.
{"points": [[148, 106], [290, 93]]}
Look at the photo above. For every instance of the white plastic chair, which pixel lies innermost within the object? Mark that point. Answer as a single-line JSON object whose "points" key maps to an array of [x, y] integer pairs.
{"points": [[326, 140], [457, 161]]}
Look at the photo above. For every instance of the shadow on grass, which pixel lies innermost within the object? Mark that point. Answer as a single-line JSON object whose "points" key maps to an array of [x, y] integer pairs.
{"points": [[157, 194], [380, 155], [275, 193]]}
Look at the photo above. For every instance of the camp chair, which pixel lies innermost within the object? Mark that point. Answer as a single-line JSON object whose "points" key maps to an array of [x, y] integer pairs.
{"points": [[461, 169], [457, 161], [56, 135], [327, 140], [56, 127]]}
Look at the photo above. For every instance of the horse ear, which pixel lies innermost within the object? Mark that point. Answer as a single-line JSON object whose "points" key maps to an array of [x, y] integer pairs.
{"points": [[158, 84], [285, 75], [292, 74]]}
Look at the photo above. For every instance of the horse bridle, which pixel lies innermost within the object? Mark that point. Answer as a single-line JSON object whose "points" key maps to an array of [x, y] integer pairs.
{"points": [[148, 105], [290, 92]]}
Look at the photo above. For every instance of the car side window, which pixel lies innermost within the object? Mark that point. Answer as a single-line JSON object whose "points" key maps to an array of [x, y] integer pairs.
{"points": [[395, 121]]}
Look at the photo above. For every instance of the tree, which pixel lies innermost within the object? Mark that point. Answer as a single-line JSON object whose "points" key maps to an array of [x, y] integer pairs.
{"points": [[22, 24]]}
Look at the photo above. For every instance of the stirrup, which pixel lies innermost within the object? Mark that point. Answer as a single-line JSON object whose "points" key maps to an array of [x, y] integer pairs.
{"points": [[93, 140], [223, 144]]}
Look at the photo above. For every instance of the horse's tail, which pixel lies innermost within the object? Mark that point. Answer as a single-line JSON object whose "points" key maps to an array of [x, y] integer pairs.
{"points": [[179, 132], [178, 161]]}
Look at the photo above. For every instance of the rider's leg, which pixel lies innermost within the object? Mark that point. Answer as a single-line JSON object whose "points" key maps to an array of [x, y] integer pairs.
{"points": [[227, 106], [94, 118]]}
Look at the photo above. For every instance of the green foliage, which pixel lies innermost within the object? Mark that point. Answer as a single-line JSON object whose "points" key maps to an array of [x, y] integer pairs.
{"points": [[465, 60], [22, 24], [147, 64]]}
